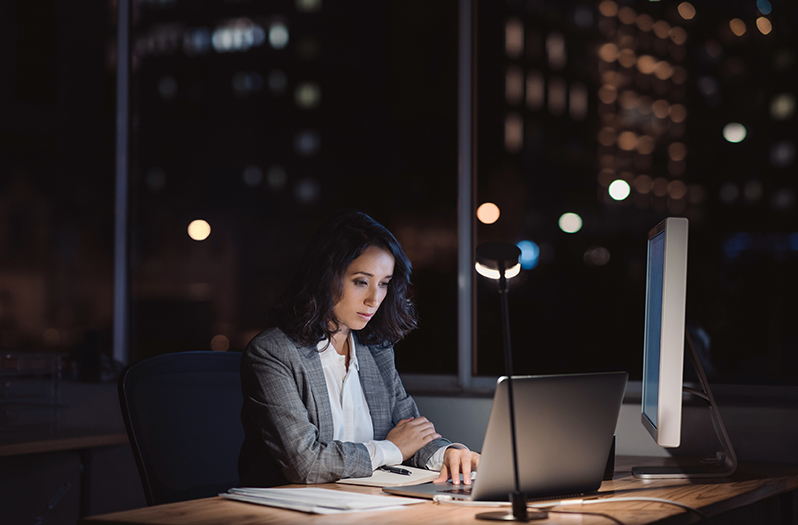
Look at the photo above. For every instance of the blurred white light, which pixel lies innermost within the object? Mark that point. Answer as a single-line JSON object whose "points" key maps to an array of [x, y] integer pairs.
{"points": [[734, 132], [570, 222], [307, 95], [253, 176], [782, 153], [199, 230], [307, 191], [597, 256], [307, 143], [782, 107], [278, 35], [729, 193], [619, 190], [308, 6], [530, 254]]}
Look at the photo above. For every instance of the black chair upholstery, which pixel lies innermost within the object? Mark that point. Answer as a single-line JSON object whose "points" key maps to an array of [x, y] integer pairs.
{"points": [[182, 412]]}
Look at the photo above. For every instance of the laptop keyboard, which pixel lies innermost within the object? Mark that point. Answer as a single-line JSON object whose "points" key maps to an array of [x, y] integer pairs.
{"points": [[464, 490]]}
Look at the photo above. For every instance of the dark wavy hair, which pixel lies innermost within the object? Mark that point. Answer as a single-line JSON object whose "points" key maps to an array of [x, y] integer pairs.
{"points": [[305, 312]]}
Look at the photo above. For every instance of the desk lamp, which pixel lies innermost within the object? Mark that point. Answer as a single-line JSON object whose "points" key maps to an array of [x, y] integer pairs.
{"points": [[498, 260]]}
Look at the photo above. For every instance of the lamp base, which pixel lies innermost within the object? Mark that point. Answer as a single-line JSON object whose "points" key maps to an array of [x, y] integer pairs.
{"points": [[508, 516]]}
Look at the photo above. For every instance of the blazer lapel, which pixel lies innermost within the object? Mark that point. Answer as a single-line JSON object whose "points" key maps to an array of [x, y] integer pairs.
{"points": [[374, 391], [318, 386]]}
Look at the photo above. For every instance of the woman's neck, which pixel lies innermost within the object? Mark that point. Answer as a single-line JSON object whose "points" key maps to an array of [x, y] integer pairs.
{"points": [[340, 342]]}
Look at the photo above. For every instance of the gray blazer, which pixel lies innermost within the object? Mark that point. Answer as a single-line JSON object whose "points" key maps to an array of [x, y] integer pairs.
{"points": [[288, 425]]}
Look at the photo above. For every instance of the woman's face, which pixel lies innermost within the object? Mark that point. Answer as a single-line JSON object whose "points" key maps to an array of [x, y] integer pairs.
{"points": [[365, 285]]}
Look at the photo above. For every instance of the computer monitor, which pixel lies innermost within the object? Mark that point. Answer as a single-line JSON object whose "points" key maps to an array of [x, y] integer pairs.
{"points": [[663, 348], [663, 357]]}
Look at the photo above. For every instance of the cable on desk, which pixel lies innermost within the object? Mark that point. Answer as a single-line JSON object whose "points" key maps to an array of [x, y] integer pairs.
{"points": [[591, 501], [448, 500]]}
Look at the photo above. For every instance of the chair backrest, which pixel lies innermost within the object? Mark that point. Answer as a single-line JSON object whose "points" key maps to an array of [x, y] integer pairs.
{"points": [[182, 412]]}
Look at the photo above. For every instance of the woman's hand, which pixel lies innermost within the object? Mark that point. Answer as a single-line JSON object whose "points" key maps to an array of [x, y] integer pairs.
{"points": [[455, 461], [410, 434]]}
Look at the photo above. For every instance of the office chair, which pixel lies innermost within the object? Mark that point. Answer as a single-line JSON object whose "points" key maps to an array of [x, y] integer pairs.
{"points": [[182, 412]]}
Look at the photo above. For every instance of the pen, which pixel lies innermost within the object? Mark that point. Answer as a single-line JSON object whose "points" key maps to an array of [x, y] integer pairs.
{"points": [[396, 470]]}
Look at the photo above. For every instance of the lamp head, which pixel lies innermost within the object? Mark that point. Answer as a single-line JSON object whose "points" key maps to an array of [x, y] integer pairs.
{"points": [[493, 258]]}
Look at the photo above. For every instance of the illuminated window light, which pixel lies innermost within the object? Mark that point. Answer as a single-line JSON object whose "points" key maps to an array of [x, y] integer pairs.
{"points": [[597, 256], [782, 154], [513, 132], [734, 132], [764, 25], [608, 8], [514, 38], [555, 50], [619, 190], [782, 107], [307, 95], [278, 35], [570, 222], [577, 104], [308, 6], [530, 254], [488, 213], [737, 26], [514, 85], [686, 10], [199, 230], [535, 90]]}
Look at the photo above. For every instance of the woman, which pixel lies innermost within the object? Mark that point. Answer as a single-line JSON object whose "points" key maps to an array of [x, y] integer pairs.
{"points": [[322, 397]]}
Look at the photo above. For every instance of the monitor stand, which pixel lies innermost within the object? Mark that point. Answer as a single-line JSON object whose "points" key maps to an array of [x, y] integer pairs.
{"points": [[725, 461]]}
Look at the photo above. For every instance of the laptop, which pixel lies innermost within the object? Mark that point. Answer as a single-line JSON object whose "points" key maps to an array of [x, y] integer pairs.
{"points": [[564, 426]]}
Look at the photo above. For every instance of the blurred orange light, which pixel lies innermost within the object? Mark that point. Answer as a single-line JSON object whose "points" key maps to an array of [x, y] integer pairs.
{"points": [[488, 213], [686, 10], [764, 25], [608, 8], [220, 343], [737, 26]]}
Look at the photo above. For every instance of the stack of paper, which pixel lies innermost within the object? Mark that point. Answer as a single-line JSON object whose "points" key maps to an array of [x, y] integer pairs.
{"points": [[318, 501]]}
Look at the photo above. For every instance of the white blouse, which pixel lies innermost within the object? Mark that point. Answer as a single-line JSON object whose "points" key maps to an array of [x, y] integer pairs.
{"points": [[350, 412]]}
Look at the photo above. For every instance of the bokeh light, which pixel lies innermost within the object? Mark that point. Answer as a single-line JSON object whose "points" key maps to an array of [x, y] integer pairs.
{"points": [[530, 254], [596, 256], [199, 230], [220, 343], [619, 190], [734, 132], [686, 10], [737, 26], [278, 35], [488, 213], [570, 222], [782, 107], [764, 25]]}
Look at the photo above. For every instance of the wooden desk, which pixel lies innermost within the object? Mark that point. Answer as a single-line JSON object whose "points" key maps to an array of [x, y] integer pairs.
{"points": [[713, 497]]}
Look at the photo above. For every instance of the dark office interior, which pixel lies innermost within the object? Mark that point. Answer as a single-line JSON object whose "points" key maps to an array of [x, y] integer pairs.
{"points": [[593, 121]]}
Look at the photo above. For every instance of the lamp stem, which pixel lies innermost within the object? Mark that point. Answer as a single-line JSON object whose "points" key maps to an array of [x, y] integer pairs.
{"points": [[517, 499]]}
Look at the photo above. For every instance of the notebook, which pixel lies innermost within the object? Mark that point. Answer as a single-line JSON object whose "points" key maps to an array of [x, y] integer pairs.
{"points": [[564, 426]]}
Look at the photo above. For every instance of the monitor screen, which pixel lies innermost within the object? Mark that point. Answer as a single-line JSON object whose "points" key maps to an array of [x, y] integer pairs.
{"points": [[656, 252]]}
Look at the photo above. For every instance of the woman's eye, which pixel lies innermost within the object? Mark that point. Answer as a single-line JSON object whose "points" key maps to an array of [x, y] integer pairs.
{"points": [[385, 284], [361, 283]]}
